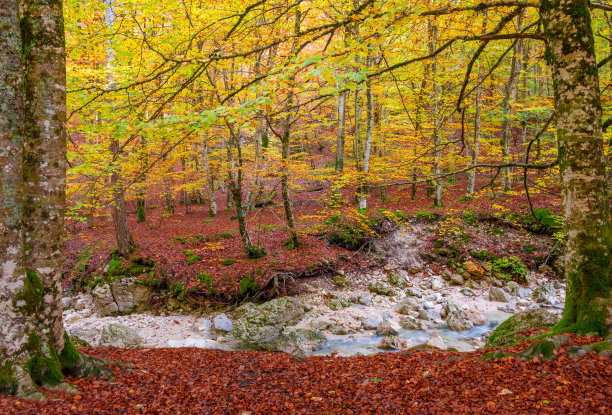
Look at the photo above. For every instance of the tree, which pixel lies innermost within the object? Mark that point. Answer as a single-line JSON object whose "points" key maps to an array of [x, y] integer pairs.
{"points": [[34, 348]]}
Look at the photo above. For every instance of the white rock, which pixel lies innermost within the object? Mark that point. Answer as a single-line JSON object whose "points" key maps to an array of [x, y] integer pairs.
{"points": [[437, 342], [222, 323]]}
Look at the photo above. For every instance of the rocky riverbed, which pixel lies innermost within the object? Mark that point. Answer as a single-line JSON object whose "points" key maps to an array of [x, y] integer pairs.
{"points": [[382, 310]]}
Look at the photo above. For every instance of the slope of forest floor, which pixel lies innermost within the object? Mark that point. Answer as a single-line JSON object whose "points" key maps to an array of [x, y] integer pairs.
{"points": [[189, 246], [200, 381]]}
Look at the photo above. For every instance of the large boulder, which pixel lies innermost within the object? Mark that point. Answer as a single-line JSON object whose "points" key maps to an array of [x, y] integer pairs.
{"points": [[392, 343], [456, 318], [261, 326], [299, 341], [120, 297], [506, 333], [118, 335]]}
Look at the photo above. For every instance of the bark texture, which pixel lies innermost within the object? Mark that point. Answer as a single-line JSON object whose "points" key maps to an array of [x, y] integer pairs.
{"points": [[570, 52]]}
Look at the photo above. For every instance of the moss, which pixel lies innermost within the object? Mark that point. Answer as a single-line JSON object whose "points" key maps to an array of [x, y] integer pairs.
{"points": [[70, 355], [31, 294], [45, 369], [494, 355], [543, 350], [8, 384], [601, 346], [506, 334], [228, 261]]}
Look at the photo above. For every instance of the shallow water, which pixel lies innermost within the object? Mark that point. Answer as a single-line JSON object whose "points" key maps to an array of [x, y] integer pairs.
{"points": [[365, 344]]}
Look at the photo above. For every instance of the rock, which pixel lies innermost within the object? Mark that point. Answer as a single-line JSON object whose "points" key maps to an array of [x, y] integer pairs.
{"points": [[409, 323], [524, 292], [456, 318], [408, 305], [195, 342], [475, 270], [86, 312], [428, 305], [545, 349], [338, 300], [371, 323], [467, 292], [506, 333], [546, 294], [388, 327], [299, 341], [381, 288], [365, 299], [340, 281], [499, 295], [335, 325], [397, 280], [66, 302], [429, 315], [436, 284], [437, 342], [476, 317], [456, 279], [120, 297], [392, 343], [205, 325], [118, 335], [425, 285], [222, 323], [413, 292], [261, 326], [512, 288], [532, 279]]}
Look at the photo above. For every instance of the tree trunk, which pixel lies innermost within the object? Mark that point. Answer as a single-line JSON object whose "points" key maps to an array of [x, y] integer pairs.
{"points": [[141, 186], [571, 56], [339, 165], [475, 147], [437, 184], [294, 240], [210, 182], [34, 348], [125, 243], [363, 201], [508, 95]]}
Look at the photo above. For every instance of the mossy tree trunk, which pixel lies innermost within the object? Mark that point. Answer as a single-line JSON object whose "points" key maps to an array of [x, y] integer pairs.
{"points": [[34, 349], [570, 52]]}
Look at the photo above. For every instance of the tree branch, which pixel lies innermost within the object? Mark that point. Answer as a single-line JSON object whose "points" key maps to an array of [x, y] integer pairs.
{"points": [[604, 7], [481, 6]]}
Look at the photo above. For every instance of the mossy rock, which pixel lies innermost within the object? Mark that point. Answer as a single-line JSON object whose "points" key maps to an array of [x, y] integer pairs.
{"points": [[78, 342], [506, 334], [494, 355]]}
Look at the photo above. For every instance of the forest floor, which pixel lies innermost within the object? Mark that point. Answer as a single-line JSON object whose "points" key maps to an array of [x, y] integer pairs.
{"points": [[190, 380], [171, 240]]}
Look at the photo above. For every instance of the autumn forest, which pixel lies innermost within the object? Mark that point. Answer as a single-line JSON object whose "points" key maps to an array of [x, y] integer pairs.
{"points": [[305, 206]]}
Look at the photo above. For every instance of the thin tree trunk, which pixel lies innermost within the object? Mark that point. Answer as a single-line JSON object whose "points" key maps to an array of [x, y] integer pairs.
{"points": [[437, 140], [125, 243], [294, 240], [210, 181], [508, 95], [363, 201]]}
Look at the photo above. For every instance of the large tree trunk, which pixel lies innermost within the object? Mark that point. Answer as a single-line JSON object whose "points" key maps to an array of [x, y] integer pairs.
{"points": [[34, 348], [571, 56], [17, 322]]}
